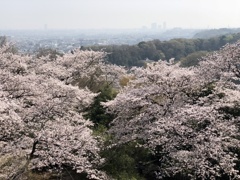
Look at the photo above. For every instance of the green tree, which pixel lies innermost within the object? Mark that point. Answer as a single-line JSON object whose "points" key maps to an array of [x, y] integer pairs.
{"points": [[10, 47], [3, 40], [96, 112], [52, 53], [192, 59]]}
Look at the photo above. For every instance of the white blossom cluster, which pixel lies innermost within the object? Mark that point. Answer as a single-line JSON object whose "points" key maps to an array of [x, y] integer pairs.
{"points": [[82, 68], [184, 115], [41, 114]]}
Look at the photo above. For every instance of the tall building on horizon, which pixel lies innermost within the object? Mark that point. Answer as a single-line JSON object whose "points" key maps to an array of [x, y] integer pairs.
{"points": [[154, 26], [164, 25]]}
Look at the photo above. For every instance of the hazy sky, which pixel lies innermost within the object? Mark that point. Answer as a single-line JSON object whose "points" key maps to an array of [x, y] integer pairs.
{"points": [[88, 14]]}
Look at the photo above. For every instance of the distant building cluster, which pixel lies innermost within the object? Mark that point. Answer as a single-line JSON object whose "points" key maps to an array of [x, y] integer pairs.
{"points": [[28, 41], [156, 27]]}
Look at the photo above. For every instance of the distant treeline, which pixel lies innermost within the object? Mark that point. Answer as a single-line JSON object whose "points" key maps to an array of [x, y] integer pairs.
{"points": [[216, 32], [136, 55]]}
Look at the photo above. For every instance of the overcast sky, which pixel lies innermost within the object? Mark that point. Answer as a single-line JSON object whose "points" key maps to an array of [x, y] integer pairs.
{"points": [[95, 14]]}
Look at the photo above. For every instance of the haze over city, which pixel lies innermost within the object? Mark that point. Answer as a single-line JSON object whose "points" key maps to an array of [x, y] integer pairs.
{"points": [[118, 14]]}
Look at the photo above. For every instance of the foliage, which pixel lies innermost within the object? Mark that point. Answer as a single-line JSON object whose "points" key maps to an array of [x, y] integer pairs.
{"points": [[8, 47], [128, 161], [136, 55], [3, 41], [125, 80], [192, 59], [216, 32], [96, 112], [52, 53]]}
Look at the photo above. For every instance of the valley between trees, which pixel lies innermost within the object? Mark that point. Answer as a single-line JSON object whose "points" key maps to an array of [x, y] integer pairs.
{"points": [[76, 116]]}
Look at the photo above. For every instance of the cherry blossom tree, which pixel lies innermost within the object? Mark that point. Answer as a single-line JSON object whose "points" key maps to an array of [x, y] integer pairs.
{"points": [[187, 117], [82, 68], [41, 117]]}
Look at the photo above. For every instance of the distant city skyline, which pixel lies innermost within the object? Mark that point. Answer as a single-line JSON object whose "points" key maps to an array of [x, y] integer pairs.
{"points": [[118, 14]]}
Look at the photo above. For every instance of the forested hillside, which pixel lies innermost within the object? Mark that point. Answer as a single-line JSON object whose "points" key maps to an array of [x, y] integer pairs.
{"points": [[76, 116], [216, 32], [155, 50]]}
